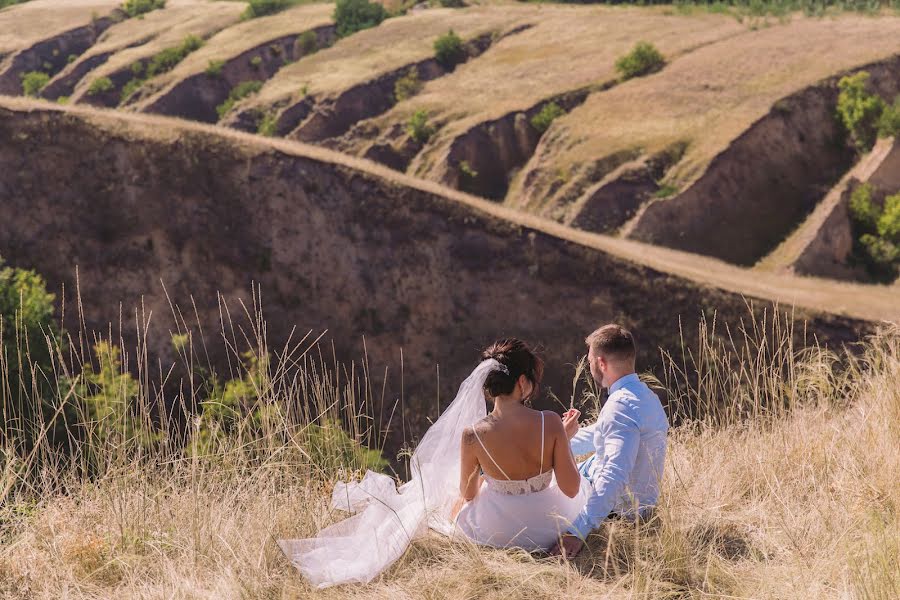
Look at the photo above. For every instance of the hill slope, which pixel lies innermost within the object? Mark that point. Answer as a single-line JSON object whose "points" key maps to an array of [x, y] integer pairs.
{"points": [[132, 201]]}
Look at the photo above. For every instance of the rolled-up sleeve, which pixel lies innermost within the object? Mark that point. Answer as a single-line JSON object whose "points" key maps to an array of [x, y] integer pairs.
{"points": [[621, 439]]}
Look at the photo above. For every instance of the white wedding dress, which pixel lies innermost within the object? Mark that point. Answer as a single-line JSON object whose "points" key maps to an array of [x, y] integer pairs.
{"points": [[529, 513], [388, 518]]}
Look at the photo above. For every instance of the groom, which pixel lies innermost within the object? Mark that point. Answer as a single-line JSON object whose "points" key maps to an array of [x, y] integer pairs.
{"points": [[628, 440]]}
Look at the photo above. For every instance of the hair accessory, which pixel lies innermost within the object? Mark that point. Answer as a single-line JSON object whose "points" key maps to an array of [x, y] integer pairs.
{"points": [[502, 368]]}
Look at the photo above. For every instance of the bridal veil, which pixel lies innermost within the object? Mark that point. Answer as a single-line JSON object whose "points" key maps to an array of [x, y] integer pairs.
{"points": [[388, 518]]}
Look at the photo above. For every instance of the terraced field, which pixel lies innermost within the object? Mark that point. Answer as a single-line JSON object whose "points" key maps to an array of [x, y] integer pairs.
{"points": [[724, 151]]}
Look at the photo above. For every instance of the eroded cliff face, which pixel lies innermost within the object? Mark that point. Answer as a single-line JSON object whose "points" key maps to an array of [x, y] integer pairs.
{"points": [[133, 201]]}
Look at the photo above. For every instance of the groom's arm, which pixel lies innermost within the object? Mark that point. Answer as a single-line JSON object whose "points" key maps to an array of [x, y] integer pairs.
{"points": [[583, 441], [622, 437]]}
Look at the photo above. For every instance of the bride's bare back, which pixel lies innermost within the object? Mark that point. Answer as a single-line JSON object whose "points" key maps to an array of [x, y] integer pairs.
{"points": [[514, 442]]}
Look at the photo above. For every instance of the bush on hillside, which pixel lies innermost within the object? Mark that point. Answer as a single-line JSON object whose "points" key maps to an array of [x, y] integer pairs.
{"points": [[306, 43], [167, 59], [643, 59], [238, 93], [418, 127], [889, 221], [130, 89], [407, 86], [101, 85], [261, 8], [453, 3], [268, 124], [135, 8], [548, 113], [859, 111], [33, 82], [26, 327], [351, 16], [214, 68], [876, 232], [889, 123], [449, 50]]}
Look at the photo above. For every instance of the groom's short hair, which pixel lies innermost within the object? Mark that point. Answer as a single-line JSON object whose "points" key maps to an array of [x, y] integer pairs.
{"points": [[613, 342]]}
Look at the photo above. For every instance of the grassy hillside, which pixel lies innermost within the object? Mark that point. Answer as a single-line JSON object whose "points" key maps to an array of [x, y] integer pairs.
{"points": [[789, 491]]}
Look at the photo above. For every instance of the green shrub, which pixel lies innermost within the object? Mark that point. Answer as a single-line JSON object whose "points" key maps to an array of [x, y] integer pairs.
{"points": [[306, 43], [167, 59], [452, 3], [408, 85], [214, 68], [256, 62], [881, 254], [467, 171], [548, 113], [448, 50], [261, 8], [889, 123], [889, 222], [62, 100], [862, 211], [418, 127], [71, 58], [101, 85], [33, 82], [876, 231], [858, 110], [135, 8], [108, 394], [26, 326], [137, 68], [267, 124], [130, 89], [351, 16], [239, 92], [666, 190], [643, 59]]}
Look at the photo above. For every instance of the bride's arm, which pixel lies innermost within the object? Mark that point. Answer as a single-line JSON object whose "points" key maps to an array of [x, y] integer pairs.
{"points": [[567, 476], [469, 472]]}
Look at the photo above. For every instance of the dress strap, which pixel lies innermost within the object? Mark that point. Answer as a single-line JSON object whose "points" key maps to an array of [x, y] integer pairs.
{"points": [[542, 444], [489, 454]]}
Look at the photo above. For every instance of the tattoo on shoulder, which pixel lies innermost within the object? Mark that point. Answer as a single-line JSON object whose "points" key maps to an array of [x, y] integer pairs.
{"points": [[468, 436]]}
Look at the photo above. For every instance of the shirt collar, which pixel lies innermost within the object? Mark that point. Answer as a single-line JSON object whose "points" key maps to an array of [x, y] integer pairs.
{"points": [[623, 381]]}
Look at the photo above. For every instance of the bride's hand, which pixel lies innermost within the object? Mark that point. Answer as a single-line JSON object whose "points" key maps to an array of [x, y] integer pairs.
{"points": [[570, 422]]}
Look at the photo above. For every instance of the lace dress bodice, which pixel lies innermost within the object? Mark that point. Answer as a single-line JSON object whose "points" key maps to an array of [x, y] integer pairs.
{"points": [[518, 487]]}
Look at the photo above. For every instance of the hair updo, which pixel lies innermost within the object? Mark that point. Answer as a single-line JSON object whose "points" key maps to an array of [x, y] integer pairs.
{"points": [[519, 359]]}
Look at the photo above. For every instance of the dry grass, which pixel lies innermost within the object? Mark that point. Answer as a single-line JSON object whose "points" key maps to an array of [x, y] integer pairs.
{"points": [[393, 44], [135, 39], [710, 96], [22, 25], [798, 501], [241, 37]]}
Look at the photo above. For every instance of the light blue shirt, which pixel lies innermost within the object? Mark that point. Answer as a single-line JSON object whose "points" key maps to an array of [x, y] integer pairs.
{"points": [[629, 445]]}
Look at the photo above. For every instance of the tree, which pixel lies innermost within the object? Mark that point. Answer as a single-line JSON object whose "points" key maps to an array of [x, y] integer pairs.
{"points": [[351, 16]]}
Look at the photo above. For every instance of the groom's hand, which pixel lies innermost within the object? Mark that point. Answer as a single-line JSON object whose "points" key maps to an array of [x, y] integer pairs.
{"points": [[568, 547], [570, 422]]}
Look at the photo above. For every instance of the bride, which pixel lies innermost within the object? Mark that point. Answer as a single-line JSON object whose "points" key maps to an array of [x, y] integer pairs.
{"points": [[504, 479], [530, 490]]}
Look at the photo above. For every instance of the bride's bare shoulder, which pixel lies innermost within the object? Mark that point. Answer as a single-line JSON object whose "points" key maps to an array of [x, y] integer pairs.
{"points": [[482, 427]]}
